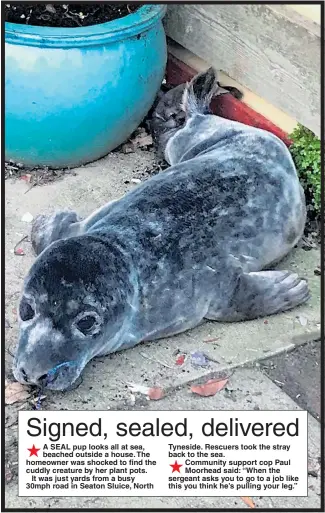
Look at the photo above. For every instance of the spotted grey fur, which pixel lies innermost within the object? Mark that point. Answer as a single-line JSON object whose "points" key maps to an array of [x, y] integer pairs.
{"points": [[191, 243]]}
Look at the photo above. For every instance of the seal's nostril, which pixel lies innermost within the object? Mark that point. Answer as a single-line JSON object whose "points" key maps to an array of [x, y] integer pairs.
{"points": [[43, 377], [24, 375]]}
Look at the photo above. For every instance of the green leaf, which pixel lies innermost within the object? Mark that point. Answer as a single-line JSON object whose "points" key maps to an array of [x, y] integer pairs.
{"points": [[305, 152]]}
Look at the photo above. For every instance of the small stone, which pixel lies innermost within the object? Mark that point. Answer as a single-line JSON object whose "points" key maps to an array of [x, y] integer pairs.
{"points": [[132, 399], [135, 180], [303, 321], [27, 218], [127, 148], [8, 475], [50, 8]]}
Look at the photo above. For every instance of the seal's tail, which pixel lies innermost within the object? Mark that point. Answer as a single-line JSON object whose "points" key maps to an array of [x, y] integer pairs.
{"points": [[199, 92]]}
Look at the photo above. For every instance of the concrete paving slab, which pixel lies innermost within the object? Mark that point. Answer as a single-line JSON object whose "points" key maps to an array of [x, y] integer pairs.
{"points": [[298, 374], [247, 389], [104, 378]]}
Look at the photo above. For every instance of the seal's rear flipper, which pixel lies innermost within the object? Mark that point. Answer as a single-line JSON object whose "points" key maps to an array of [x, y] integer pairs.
{"points": [[199, 92], [47, 229], [258, 294]]}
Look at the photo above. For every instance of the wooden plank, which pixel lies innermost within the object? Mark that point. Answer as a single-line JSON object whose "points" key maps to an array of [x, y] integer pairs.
{"points": [[270, 49], [310, 11]]}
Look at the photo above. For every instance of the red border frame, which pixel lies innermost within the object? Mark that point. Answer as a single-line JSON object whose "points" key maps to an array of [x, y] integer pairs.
{"points": [[226, 105]]}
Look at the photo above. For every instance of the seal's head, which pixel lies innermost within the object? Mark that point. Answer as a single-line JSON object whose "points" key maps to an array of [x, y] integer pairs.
{"points": [[76, 302], [168, 117]]}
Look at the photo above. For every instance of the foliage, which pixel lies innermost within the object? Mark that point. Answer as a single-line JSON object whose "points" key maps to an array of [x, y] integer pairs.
{"points": [[306, 154]]}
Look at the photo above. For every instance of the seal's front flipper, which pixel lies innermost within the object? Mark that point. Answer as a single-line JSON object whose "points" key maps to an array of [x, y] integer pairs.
{"points": [[49, 228], [258, 294]]}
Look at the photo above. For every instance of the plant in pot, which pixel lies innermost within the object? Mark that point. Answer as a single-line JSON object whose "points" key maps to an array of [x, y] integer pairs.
{"points": [[79, 78]]}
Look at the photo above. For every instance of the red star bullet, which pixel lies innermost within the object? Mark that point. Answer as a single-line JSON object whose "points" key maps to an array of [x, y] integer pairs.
{"points": [[176, 466], [33, 451]]}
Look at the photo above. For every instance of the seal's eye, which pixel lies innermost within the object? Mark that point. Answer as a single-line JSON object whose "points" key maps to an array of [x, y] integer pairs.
{"points": [[86, 324], [26, 312]]}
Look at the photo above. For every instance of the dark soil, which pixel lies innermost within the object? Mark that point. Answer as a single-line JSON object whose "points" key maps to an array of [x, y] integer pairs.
{"points": [[34, 176], [312, 234], [66, 15]]}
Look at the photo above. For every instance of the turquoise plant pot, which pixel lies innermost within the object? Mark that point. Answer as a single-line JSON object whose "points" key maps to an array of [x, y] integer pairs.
{"points": [[74, 94]]}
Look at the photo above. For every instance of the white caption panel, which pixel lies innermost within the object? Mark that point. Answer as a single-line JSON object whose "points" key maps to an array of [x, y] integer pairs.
{"points": [[165, 453]]}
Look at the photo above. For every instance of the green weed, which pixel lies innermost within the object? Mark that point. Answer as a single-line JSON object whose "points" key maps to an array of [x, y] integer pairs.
{"points": [[306, 154]]}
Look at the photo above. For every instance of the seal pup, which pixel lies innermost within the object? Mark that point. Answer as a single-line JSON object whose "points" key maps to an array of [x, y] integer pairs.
{"points": [[191, 243]]}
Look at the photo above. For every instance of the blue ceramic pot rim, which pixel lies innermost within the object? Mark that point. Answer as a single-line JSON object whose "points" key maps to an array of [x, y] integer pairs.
{"points": [[57, 37]]}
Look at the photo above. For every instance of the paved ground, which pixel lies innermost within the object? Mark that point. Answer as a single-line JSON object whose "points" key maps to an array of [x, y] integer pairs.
{"points": [[232, 345], [298, 375]]}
